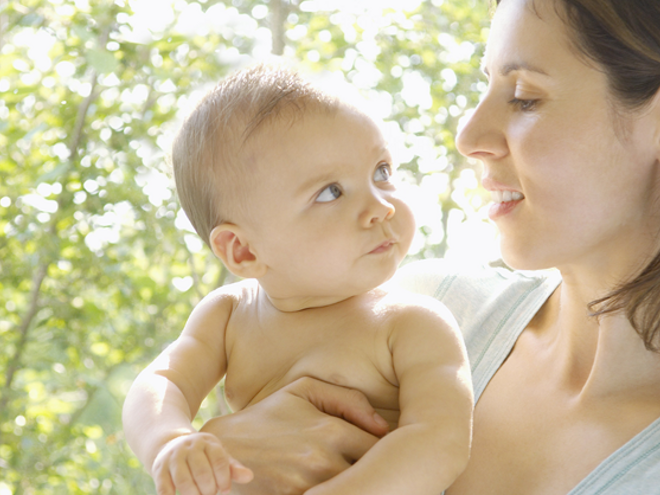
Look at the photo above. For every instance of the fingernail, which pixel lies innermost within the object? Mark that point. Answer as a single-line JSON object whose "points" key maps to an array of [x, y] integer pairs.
{"points": [[380, 420]]}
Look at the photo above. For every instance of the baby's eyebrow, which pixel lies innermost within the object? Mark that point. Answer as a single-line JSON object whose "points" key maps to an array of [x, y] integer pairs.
{"points": [[316, 181], [381, 151]]}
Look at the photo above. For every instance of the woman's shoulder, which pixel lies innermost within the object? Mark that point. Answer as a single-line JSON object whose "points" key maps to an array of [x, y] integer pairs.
{"points": [[439, 277], [483, 299], [492, 305]]}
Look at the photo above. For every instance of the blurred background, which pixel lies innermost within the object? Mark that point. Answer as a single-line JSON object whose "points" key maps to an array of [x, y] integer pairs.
{"points": [[99, 268]]}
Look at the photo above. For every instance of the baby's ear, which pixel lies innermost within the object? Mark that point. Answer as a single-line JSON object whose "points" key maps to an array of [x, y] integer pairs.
{"points": [[229, 243]]}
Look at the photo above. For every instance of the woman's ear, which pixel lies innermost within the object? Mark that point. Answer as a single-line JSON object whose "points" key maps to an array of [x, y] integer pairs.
{"points": [[229, 243], [655, 111]]}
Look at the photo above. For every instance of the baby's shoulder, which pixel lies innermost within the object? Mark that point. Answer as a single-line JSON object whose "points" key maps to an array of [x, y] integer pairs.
{"points": [[405, 303], [422, 325], [230, 296], [402, 309]]}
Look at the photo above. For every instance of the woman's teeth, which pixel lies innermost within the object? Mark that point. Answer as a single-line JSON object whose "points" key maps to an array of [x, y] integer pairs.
{"points": [[504, 196]]}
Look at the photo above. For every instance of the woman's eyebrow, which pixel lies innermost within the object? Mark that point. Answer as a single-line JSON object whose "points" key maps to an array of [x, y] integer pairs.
{"points": [[515, 66]]}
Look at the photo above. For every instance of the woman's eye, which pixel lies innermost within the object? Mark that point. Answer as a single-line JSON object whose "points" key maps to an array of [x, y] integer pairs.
{"points": [[383, 173], [328, 194], [524, 105]]}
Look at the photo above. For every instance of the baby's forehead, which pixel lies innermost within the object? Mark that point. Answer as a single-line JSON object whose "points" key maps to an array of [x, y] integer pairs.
{"points": [[290, 113], [323, 135], [288, 123]]}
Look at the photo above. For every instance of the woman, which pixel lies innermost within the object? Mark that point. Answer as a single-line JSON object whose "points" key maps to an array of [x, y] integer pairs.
{"points": [[568, 402]]}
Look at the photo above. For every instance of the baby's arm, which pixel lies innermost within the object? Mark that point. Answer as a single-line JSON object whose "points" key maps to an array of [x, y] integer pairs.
{"points": [[164, 399], [430, 447]]}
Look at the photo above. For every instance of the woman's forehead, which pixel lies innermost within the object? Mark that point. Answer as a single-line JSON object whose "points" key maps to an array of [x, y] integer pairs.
{"points": [[525, 34]]}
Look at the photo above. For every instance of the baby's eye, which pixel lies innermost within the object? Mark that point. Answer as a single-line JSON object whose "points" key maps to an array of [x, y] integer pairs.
{"points": [[383, 173], [328, 194]]}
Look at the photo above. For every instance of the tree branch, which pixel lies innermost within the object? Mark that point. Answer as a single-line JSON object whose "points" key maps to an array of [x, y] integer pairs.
{"points": [[278, 18], [84, 106], [42, 268], [23, 331], [193, 273], [3, 24]]}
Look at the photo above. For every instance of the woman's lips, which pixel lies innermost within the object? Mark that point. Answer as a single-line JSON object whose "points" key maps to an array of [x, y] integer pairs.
{"points": [[504, 202]]}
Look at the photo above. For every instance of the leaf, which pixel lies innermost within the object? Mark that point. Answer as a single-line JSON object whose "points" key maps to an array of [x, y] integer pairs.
{"points": [[102, 60], [54, 174], [36, 130], [80, 359], [82, 32]]}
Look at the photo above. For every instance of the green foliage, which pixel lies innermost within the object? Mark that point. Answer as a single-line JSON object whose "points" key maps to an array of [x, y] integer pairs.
{"points": [[98, 271]]}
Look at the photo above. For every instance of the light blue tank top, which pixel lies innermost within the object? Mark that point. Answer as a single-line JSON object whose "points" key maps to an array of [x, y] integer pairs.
{"points": [[492, 307]]}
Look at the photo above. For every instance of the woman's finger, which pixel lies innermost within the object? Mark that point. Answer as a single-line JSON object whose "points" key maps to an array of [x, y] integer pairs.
{"points": [[290, 443], [346, 403]]}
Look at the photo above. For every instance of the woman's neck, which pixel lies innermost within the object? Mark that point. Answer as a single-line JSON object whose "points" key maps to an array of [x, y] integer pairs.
{"points": [[593, 356]]}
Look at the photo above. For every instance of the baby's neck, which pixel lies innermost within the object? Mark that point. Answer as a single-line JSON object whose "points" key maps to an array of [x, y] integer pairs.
{"points": [[293, 304]]}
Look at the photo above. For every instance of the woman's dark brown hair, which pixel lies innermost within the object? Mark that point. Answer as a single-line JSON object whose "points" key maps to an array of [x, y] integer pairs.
{"points": [[623, 38]]}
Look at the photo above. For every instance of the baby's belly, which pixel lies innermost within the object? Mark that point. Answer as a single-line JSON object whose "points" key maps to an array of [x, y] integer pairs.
{"points": [[338, 364], [381, 395]]}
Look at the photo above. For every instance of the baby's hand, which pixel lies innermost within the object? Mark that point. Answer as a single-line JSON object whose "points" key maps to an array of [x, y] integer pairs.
{"points": [[196, 464]]}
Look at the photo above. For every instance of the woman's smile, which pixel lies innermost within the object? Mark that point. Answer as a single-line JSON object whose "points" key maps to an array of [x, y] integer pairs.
{"points": [[500, 208]]}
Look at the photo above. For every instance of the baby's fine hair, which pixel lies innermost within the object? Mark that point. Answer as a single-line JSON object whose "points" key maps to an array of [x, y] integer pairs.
{"points": [[208, 149]]}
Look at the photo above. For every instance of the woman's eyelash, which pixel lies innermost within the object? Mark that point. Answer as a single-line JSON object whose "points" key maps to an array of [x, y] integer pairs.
{"points": [[524, 105]]}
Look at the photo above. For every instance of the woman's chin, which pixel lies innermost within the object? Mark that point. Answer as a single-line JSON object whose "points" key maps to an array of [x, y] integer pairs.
{"points": [[520, 261]]}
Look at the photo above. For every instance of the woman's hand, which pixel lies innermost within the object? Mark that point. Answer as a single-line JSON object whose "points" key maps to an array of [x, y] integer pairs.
{"points": [[300, 436]]}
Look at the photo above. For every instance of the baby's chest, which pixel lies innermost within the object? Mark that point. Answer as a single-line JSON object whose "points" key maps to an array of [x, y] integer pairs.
{"points": [[262, 361]]}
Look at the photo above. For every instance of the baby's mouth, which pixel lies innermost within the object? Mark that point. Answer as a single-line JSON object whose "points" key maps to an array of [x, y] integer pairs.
{"points": [[381, 248]]}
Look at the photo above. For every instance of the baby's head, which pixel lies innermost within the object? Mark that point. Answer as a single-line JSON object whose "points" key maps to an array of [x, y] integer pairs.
{"points": [[213, 152], [293, 187]]}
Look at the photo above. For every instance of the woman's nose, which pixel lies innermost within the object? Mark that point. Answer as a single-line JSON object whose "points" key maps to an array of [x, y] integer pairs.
{"points": [[482, 134], [377, 210]]}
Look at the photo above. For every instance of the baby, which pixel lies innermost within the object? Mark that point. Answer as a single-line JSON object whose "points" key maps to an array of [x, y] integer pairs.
{"points": [[292, 189]]}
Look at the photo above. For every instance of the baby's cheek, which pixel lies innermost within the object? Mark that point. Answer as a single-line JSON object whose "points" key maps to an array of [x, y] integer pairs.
{"points": [[406, 220]]}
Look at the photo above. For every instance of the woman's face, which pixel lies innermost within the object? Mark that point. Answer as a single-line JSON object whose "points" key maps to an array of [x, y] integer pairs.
{"points": [[574, 180]]}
